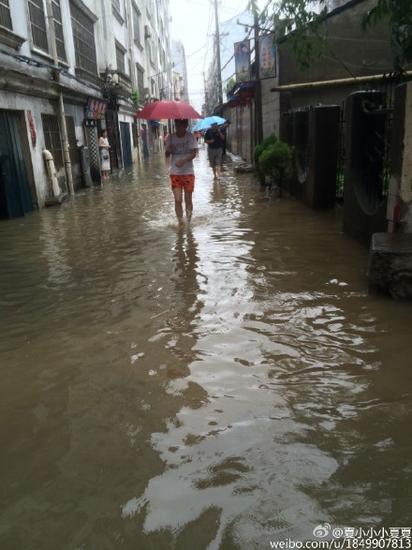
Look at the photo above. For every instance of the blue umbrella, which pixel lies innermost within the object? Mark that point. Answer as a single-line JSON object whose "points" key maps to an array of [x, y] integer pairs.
{"points": [[207, 122]]}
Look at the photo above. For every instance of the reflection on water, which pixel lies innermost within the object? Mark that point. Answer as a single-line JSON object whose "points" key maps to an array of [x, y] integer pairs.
{"points": [[228, 382]]}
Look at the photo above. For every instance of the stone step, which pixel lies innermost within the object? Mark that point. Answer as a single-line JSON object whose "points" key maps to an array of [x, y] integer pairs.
{"points": [[390, 265]]}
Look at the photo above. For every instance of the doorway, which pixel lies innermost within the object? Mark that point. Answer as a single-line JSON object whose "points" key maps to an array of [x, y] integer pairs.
{"points": [[15, 195], [126, 144]]}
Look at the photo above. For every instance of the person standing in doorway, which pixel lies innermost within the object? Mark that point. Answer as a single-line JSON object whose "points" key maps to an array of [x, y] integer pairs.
{"points": [[215, 141], [104, 149], [182, 146], [143, 135]]}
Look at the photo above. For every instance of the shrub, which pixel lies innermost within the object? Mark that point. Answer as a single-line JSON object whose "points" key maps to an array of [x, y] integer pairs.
{"points": [[271, 140], [275, 161]]}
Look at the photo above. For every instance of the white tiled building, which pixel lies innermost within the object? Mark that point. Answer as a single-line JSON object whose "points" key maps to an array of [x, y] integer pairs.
{"points": [[113, 56]]}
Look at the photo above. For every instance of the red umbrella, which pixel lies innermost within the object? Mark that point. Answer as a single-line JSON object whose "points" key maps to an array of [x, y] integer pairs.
{"points": [[167, 109]]}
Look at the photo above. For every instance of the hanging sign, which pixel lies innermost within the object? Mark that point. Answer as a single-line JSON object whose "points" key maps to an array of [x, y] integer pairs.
{"points": [[242, 60], [32, 128], [95, 109], [267, 56]]}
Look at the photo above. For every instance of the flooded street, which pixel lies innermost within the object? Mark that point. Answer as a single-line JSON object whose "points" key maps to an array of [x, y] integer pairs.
{"points": [[217, 386]]}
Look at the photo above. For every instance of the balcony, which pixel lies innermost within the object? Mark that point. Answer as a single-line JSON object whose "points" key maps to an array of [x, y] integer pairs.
{"points": [[124, 85], [117, 83]]}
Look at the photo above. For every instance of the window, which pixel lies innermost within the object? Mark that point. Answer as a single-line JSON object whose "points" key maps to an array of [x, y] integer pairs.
{"points": [[5, 19], [58, 28], [52, 139], [140, 82], [149, 9], [84, 45], [38, 25], [136, 25], [120, 59], [152, 52], [117, 11]]}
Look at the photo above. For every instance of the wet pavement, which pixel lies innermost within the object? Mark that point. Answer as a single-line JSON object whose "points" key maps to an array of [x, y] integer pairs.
{"points": [[215, 386]]}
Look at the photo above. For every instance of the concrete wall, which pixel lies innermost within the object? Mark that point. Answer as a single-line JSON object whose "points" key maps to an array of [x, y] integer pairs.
{"points": [[406, 181], [350, 51], [241, 129], [77, 112], [270, 108], [399, 209]]}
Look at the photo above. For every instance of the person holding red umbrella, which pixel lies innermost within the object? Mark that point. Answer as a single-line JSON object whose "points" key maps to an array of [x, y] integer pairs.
{"points": [[182, 147]]}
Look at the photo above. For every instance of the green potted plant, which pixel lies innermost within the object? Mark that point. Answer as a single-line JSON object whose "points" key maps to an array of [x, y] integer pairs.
{"points": [[267, 142], [135, 97], [275, 162]]}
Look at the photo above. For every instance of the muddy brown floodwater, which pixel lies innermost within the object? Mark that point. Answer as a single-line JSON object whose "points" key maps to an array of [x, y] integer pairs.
{"points": [[219, 386]]}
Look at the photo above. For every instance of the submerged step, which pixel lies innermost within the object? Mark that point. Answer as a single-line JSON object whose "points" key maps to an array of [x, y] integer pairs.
{"points": [[390, 264]]}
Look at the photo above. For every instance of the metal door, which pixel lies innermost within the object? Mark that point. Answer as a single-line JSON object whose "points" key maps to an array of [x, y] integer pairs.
{"points": [[126, 144], [15, 195]]}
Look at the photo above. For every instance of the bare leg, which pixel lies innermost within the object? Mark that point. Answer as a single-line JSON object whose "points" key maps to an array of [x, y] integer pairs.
{"points": [[188, 205], [177, 192]]}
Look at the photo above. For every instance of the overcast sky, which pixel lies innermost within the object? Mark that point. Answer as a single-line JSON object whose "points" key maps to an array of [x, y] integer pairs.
{"points": [[193, 24]]}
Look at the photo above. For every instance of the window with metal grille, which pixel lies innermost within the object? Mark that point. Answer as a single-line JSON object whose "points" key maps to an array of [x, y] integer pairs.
{"points": [[136, 25], [120, 59], [152, 52], [84, 44], [5, 19], [52, 139], [140, 82], [38, 25], [117, 11], [58, 28]]}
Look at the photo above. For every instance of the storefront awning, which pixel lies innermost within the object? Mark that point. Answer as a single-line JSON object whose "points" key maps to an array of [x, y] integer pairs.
{"points": [[242, 93]]}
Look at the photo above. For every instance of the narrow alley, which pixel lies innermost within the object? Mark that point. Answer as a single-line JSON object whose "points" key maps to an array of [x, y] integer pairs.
{"points": [[216, 386]]}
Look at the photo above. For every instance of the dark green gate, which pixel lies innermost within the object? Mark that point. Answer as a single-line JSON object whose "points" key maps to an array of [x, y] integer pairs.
{"points": [[15, 195]]}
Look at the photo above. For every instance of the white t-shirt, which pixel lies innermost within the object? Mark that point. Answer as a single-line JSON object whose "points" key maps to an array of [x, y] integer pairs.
{"points": [[180, 147]]}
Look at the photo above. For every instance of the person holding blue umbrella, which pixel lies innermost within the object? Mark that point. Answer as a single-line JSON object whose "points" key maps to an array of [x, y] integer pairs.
{"points": [[207, 122], [215, 141]]}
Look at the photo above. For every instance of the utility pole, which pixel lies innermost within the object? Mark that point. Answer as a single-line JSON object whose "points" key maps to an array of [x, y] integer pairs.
{"points": [[258, 85], [62, 118], [219, 68], [206, 93]]}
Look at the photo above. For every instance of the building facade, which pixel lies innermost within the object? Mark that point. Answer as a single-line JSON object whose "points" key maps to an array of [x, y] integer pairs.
{"points": [[88, 64], [180, 83]]}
